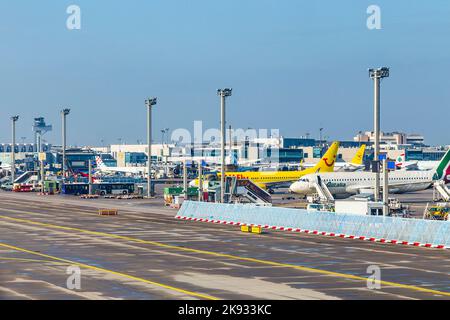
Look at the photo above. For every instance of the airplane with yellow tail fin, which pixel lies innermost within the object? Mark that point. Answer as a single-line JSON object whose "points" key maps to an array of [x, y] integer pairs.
{"points": [[354, 165], [268, 179]]}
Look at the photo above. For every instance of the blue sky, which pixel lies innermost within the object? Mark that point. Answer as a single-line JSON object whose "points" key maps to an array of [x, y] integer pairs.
{"points": [[293, 65]]}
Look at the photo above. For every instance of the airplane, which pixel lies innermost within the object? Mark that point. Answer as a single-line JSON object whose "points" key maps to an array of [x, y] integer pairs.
{"points": [[104, 168], [354, 165], [402, 164], [350, 183], [270, 179], [6, 167], [216, 161], [85, 175]]}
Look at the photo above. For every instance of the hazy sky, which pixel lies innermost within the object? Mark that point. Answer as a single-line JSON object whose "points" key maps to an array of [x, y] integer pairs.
{"points": [[294, 65]]}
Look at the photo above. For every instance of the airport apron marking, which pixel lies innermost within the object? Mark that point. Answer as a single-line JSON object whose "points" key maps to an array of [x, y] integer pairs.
{"points": [[87, 266], [224, 255]]}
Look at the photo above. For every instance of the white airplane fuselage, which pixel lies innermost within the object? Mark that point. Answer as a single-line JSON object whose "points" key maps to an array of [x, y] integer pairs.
{"points": [[341, 166], [132, 170], [350, 183], [418, 165]]}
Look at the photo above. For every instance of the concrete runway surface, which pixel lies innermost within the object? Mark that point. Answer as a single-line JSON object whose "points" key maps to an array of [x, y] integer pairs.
{"points": [[144, 253]]}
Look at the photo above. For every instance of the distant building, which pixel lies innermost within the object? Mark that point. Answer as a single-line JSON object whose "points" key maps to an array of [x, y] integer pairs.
{"points": [[397, 138], [24, 147], [426, 154], [135, 153], [25, 154], [127, 159], [108, 159], [77, 159]]}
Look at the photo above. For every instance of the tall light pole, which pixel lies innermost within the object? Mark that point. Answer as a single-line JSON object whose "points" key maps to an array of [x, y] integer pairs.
{"points": [[164, 158], [13, 148], [222, 93], [385, 188], [320, 136], [149, 103], [200, 180], [167, 136], [64, 113], [163, 132], [230, 139], [90, 176], [377, 74]]}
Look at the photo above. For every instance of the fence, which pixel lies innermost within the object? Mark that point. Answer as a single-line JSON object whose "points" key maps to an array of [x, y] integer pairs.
{"points": [[396, 230]]}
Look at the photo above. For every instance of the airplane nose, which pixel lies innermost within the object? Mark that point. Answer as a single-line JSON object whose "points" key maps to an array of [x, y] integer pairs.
{"points": [[298, 187], [294, 188]]}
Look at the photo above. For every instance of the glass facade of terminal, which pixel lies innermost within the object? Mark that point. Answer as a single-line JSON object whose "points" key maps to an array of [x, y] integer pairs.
{"points": [[424, 155], [290, 155]]}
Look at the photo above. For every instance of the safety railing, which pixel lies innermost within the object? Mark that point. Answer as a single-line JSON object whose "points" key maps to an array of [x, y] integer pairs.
{"points": [[378, 227]]}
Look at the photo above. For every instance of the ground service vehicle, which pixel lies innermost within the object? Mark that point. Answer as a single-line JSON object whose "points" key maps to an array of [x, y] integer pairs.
{"points": [[437, 212], [103, 188]]}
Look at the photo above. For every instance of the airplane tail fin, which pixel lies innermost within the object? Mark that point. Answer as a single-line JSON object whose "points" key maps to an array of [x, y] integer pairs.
{"points": [[232, 159], [442, 171], [301, 163], [99, 162], [326, 164], [359, 156], [400, 160]]}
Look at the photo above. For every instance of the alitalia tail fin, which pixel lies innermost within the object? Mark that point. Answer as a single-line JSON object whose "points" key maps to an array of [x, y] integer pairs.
{"points": [[359, 156], [443, 169], [326, 164]]}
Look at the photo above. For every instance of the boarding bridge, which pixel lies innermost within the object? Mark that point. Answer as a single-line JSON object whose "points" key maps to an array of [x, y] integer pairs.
{"points": [[253, 193], [440, 188], [322, 190], [27, 177]]}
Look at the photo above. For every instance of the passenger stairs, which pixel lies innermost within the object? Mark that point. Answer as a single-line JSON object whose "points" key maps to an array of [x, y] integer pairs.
{"points": [[440, 188], [245, 188], [27, 177], [322, 190]]}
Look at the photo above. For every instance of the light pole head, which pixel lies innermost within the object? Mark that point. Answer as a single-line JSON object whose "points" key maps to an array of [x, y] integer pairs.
{"points": [[150, 102], [65, 111], [379, 73], [14, 118], [224, 92]]}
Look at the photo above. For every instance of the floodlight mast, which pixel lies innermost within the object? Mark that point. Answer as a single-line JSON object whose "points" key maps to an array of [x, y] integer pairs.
{"points": [[64, 113], [13, 148], [149, 103], [377, 74], [223, 93]]}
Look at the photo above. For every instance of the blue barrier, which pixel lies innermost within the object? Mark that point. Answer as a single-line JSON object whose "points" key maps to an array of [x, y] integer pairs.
{"points": [[436, 233]]}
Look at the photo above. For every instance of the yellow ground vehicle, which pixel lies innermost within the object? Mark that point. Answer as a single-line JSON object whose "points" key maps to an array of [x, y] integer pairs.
{"points": [[437, 212]]}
